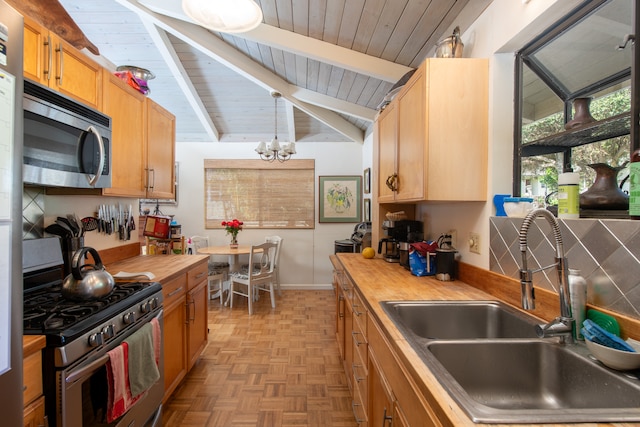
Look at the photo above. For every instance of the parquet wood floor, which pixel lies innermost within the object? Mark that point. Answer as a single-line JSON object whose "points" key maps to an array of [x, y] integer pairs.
{"points": [[277, 368]]}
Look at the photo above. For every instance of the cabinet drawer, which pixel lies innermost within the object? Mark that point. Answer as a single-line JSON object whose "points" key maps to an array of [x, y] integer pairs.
{"points": [[32, 377], [361, 376], [360, 314], [174, 289], [197, 274], [359, 410]]}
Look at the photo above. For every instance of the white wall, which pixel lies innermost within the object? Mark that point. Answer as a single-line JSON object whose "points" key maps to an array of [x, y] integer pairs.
{"points": [[305, 253], [503, 28]]}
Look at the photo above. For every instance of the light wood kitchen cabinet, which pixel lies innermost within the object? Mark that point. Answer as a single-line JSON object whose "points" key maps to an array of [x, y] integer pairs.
{"points": [[160, 152], [388, 374], [32, 394], [127, 109], [433, 141], [143, 143], [381, 403], [53, 62], [387, 134], [185, 323], [174, 335], [197, 312]]}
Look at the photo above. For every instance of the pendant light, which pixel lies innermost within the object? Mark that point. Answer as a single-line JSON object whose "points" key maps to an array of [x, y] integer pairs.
{"points": [[226, 16], [273, 151]]}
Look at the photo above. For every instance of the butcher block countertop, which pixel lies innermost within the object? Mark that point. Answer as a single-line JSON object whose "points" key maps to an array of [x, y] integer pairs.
{"points": [[164, 267], [378, 281]]}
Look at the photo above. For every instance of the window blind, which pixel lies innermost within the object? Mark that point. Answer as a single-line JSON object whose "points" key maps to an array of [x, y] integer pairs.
{"points": [[260, 194]]}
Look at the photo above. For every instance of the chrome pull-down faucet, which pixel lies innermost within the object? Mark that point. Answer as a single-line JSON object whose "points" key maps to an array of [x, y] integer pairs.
{"points": [[561, 326]]}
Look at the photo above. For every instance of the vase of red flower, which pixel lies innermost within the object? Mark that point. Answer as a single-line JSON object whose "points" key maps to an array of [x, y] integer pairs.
{"points": [[233, 227]]}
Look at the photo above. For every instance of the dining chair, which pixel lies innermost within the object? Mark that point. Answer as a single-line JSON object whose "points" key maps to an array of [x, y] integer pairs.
{"points": [[260, 277], [278, 241], [218, 271]]}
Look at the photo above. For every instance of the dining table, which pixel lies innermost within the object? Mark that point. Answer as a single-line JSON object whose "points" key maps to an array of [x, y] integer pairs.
{"points": [[233, 254]]}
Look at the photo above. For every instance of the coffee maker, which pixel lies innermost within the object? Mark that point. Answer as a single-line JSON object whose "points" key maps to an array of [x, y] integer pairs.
{"points": [[400, 234], [407, 232]]}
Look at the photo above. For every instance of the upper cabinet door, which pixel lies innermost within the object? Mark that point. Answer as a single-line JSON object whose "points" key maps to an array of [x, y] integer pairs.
{"points": [[51, 61], [387, 125], [161, 130], [127, 109]]}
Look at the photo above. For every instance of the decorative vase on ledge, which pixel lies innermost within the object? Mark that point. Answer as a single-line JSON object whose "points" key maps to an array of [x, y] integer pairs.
{"points": [[581, 114], [605, 193]]}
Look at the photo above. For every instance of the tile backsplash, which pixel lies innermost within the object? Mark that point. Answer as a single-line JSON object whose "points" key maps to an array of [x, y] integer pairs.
{"points": [[607, 253], [32, 212]]}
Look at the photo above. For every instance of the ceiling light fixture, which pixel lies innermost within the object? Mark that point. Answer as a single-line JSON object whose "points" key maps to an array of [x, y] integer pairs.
{"points": [[227, 16], [273, 151]]}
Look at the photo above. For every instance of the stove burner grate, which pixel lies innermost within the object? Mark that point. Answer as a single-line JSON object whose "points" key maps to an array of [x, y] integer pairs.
{"points": [[46, 310]]}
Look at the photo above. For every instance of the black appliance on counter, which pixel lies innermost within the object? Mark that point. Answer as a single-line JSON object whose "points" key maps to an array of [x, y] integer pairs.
{"points": [[79, 336], [361, 238], [403, 233]]}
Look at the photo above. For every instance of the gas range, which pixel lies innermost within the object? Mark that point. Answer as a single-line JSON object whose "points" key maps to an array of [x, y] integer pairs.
{"points": [[81, 337], [75, 328]]}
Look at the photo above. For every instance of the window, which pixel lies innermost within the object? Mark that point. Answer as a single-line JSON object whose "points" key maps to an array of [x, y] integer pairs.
{"points": [[577, 57], [260, 194]]}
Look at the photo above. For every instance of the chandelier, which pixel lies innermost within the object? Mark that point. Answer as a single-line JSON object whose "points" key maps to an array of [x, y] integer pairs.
{"points": [[273, 151], [227, 16]]}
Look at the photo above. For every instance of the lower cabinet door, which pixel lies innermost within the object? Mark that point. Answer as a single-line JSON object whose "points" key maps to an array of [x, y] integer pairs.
{"points": [[34, 414], [175, 343], [197, 308]]}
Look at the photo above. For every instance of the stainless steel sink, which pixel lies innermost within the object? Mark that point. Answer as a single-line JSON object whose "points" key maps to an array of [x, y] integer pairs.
{"points": [[488, 358], [522, 381], [460, 319]]}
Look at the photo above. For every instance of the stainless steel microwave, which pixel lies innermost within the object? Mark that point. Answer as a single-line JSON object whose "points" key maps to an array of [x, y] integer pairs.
{"points": [[66, 144]]}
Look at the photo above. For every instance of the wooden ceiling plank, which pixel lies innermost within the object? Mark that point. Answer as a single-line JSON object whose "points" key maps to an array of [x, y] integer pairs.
{"points": [[317, 16], [367, 24], [350, 20]]}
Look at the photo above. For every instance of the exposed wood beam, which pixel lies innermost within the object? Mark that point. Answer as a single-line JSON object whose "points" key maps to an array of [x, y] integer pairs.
{"points": [[332, 103], [180, 74], [291, 122], [298, 44], [201, 39]]}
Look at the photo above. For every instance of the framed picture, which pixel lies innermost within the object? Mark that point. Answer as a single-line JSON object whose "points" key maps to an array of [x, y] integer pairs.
{"points": [[340, 199], [367, 181], [367, 210]]}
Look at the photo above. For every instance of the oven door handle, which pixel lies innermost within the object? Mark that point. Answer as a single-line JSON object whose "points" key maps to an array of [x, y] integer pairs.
{"points": [[76, 375]]}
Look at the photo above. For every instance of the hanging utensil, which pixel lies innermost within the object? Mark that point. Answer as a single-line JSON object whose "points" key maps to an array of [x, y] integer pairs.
{"points": [[75, 227], [58, 230], [64, 223], [89, 223]]}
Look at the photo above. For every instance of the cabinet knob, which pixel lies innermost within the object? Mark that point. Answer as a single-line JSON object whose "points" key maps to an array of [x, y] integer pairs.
{"points": [[392, 182]]}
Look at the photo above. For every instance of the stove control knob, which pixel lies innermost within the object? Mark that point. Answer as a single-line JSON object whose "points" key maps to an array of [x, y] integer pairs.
{"points": [[108, 332], [129, 318], [154, 303], [96, 339], [145, 307]]}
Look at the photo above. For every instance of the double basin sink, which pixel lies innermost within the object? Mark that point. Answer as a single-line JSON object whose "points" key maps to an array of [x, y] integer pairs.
{"points": [[487, 356]]}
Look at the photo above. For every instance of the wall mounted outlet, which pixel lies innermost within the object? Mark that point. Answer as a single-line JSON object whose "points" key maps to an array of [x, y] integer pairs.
{"points": [[474, 243], [454, 238]]}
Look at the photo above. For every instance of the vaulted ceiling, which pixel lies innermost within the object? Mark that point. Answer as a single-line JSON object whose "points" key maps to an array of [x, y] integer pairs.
{"points": [[333, 61]]}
